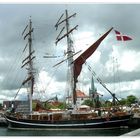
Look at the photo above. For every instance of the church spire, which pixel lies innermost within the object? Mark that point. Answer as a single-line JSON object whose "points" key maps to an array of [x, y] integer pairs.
{"points": [[92, 89]]}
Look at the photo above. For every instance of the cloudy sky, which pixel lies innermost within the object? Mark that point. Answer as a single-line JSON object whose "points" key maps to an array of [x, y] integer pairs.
{"points": [[116, 63]]}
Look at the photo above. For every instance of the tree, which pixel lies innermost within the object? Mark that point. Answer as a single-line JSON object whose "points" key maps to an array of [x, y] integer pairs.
{"points": [[123, 101], [62, 105], [33, 105], [47, 105], [131, 99], [88, 103], [107, 104]]}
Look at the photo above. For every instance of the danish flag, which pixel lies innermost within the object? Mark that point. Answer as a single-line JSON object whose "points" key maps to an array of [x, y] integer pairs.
{"points": [[121, 37]]}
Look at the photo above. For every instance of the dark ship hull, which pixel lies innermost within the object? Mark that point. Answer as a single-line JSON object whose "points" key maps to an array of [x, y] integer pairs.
{"points": [[118, 121]]}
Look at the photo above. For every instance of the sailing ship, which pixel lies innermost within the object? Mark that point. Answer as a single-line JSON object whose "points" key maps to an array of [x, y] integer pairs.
{"points": [[70, 118]]}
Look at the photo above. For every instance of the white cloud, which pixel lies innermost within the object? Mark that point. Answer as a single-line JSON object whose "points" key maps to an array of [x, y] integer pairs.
{"points": [[48, 86], [129, 61]]}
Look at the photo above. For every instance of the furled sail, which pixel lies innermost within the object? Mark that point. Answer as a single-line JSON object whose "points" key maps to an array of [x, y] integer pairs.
{"points": [[85, 55]]}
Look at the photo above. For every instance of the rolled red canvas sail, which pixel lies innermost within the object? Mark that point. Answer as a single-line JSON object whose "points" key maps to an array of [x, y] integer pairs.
{"points": [[82, 58]]}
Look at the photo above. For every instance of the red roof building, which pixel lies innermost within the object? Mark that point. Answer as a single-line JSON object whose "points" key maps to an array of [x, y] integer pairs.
{"points": [[81, 94], [81, 97]]}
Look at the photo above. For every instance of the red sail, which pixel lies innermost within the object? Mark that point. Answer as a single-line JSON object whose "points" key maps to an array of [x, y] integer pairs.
{"points": [[82, 58]]}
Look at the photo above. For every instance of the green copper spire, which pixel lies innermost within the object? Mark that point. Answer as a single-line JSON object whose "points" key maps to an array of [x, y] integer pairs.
{"points": [[93, 89]]}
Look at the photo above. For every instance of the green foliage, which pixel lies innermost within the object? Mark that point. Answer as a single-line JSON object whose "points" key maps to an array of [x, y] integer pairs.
{"points": [[123, 101], [33, 105], [46, 105], [88, 102], [107, 104], [131, 99], [61, 105]]}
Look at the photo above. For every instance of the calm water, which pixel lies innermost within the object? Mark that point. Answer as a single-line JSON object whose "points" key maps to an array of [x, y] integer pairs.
{"points": [[91, 132]]}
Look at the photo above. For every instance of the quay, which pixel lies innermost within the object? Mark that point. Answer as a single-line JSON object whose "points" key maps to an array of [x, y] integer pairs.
{"points": [[134, 123], [2, 120], [133, 133]]}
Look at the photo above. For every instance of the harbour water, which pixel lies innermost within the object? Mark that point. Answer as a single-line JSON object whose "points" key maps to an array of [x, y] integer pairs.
{"points": [[79, 132]]}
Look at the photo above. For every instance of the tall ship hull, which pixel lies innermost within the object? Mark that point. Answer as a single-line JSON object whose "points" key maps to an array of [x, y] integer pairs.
{"points": [[118, 121]]}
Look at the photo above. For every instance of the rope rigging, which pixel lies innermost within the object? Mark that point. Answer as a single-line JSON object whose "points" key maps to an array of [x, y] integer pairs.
{"points": [[99, 80]]}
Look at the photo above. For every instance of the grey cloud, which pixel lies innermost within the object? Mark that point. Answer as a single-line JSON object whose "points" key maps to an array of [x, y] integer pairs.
{"points": [[122, 76], [13, 19]]}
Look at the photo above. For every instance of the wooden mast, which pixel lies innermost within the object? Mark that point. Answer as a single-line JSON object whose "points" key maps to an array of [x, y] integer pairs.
{"points": [[70, 50], [30, 65], [29, 61]]}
